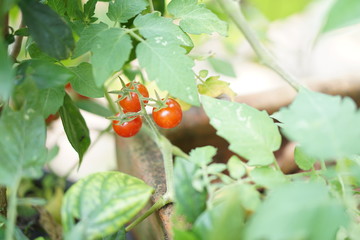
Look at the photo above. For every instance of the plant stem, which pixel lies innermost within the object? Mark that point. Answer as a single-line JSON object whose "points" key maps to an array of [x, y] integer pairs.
{"points": [[178, 152], [10, 226], [112, 106], [134, 35], [3, 201], [151, 5], [233, 10]]}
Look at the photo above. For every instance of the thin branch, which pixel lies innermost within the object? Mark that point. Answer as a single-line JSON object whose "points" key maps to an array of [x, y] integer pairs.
{"points": [[3, 201], [17, 45]]}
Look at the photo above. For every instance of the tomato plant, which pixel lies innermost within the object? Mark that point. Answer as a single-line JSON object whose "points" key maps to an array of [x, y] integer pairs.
{"points": [[129, 128], [169, 116], [131, 103]]}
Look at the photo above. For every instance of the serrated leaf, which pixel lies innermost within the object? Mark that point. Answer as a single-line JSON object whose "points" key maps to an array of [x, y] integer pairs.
{"points": [[110, 52], [74, 9], [302, 160], [48, 30], [58, 6], [213, 87], [342, 13], [152, 25], [267, 177], [89, 9], [88, 37], [167, 64], [122, 10], [6, 72], [325, 126], [51, 100], [101, 203], [222, 66], [202, 156], [192, 207], [196, 18], [94, 107], [236, 167], [216, 168], [251, 133], [75, 127], [22, 146], [83, 81]]}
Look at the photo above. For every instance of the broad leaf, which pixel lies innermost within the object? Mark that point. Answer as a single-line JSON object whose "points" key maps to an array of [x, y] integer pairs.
{"points": [[251, 133], [110, 51], [51, 100], [152, 25], [196, 18], [58, 6], [223, 67], [302, 160], [189, 207], [236, 167], [297, 211], [122, 10], [35, 52], [47, 29], [321, 123], [6, 73], [202, 156], [75, 127], [343, 13], [94, 107], [167, 64], [83, 81], [213, 87], [89, 10], [267, 177], [100, 204], [22, 146], [74, 9]]}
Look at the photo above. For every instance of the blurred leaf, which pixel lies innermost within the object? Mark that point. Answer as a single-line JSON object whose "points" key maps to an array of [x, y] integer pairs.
{"points": [[320, 124], [343, 13], [196, 18], [161, 29], [110, 52], [203, 73], [22, 146], [51, 100], [58, 6], [297, 210], [22, 32], [168, 65], [35, 52], [120, 235], [267, 177], [252, 134], [216, 168], [213, 87], [202, 156], [88, 37], [101, 203], [94, 107], [7, 79], [184, 235], [75, 127], [277, 9], [236, 167], [89, 9], [189, 207], [302, 160], [83, 81], [222, 67], [18, 235], [47, 29], [74, 10], [122, 10]]}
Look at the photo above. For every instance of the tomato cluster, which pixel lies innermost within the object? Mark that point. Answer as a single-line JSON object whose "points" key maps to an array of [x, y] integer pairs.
{"points": [[168, 115]]}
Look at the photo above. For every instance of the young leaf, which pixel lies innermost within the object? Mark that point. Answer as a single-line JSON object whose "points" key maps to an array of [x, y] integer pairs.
{"points": [[22, 146], [213, 87], [101, 203], [236, 167], [320, 124], [83, 81], [6, 73], [196, 18], [122, 10], [343, 13], [74, 10], [222, 67], [189, 207], [89, 9], [267, 177], [51, 100], [47, 29], [252, 134], [202, 156], [110, 52], [167, 64], [302, 160], [75, 127], [152, 25]]}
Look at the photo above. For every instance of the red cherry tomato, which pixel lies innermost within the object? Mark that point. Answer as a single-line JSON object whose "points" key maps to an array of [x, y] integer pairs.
{"points": [[127, 129], [168, 117], [51, 118], [132, 104]]}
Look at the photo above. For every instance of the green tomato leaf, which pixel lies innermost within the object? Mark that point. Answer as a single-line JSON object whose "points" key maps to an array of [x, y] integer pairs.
{"points": [[236, 167], [35, 52], [320, 124], [202, 156], [51, 100], [196, 18], [110, 51], [213, 87], [189, 207], [89, 9], [302, 160], [6, 73], [88, 37], [74, 10], [22, 146], [167, 64], [251, 133], [222, 67], [122, 10], [75, 127], [152, 25], [101, 203], [297, 210], [94, 107], [58, 6], [47, 29], [343, 13], [267, 177], [84, 82]]}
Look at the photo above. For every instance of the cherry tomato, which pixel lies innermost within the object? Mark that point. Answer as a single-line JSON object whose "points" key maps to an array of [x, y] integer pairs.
{"points": [[170, 116], [51, 118], [132, 104], [127, 129]]}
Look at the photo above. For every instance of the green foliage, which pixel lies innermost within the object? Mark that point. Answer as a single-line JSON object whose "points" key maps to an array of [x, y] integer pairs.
{"points": [[268, 177], [343, 13], [320, 124], [75, 127], [196, 18], [251, 133], [93, 107], [222, 67], [302, 160], [99, 204], [83, 81], [236, 167], [122, 10], [51, 100], [6, 73], [213, 87]]}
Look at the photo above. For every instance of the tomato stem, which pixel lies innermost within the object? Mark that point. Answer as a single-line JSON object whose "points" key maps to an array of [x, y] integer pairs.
{"points": [[151, 5], [10, 226]]}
